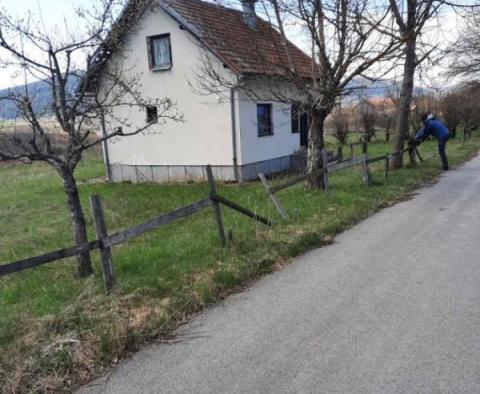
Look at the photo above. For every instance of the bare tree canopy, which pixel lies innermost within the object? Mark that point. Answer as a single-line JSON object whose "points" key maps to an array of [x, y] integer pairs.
{"points": [[84, 90], [412, 18], [345, 39], [465, 53]]}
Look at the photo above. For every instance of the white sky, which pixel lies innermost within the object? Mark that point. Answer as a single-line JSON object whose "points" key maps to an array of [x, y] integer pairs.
{"points": [[55, 12]]}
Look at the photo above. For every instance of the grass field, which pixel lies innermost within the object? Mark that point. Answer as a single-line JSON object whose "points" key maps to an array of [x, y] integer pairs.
{"points": [[57, 331]]}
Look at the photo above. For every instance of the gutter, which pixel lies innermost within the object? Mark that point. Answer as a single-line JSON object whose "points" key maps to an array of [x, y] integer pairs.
{"points": [[106, 156], [234, 135]]}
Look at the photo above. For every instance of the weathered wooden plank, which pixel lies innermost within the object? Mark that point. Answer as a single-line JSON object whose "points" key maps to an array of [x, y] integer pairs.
{"points": [[346, 164], [102, 234], [32, 262], [154, 223], [291, 182], [245, 211], [275, 200], [378, 158], [216, 206]]}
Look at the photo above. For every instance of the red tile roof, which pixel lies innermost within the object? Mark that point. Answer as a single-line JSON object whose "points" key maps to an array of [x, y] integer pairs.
{"points": [[244, 50]]}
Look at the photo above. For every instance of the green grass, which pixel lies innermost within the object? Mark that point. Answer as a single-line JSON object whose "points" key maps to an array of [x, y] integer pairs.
{"points": [[164, 275]]}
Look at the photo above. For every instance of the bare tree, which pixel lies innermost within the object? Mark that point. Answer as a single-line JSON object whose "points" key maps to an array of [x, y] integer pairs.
{"points": [[386, 116], [367, 117], [344, 41], [81, 98], [465, 53], [339, 124], [450, 104], [412, 17]]}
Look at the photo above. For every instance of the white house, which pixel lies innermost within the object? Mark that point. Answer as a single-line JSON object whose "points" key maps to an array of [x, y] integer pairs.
{"points": [[238, 136]]}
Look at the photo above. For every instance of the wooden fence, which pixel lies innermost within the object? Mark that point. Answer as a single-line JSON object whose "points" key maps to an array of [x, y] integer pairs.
{"points": [[338, 164], [106, 241]]}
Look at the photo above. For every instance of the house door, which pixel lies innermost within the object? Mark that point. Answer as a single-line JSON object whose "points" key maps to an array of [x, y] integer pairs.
{"points": [[304, 129]]}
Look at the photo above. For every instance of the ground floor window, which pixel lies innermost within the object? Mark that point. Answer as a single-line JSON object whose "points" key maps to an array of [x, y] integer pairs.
{"points": [[152, 114], [264, 120]]}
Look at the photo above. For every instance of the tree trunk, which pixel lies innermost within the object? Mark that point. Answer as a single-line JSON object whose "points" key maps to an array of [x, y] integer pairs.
{"points": [[315, 146], [78, 220], [405, 102]]}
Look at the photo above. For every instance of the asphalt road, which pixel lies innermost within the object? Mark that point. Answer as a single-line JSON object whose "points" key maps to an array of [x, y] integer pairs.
{"points": [[393, 306]]}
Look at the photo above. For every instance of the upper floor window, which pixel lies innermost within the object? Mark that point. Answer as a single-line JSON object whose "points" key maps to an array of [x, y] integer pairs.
{"points": [[264, 119], [159, 52]]}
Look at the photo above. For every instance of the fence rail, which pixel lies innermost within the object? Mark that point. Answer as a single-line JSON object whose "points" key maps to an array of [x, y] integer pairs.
{"points": [[328, 167], [105, 241]]}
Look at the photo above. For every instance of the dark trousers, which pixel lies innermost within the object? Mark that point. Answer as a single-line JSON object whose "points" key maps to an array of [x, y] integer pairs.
{"points": [[442, 144]]}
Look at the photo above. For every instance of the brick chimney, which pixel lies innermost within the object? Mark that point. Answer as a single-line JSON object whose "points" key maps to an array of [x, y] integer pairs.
{"points": [[249, 15]]}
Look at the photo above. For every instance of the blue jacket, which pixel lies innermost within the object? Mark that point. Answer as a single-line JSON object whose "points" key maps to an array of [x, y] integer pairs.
{"points": [[433, 127]]}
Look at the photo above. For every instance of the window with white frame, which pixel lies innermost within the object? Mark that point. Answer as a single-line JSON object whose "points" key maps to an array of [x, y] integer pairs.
{"points": [[159, 52]]}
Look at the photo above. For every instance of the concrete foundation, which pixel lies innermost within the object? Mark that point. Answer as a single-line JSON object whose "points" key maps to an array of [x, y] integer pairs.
{"points": [[171, 174]]}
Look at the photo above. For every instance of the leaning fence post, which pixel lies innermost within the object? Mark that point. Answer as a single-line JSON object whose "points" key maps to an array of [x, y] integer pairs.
{"points": [[216, 205], [274, 198], [419, 156], [325, 170], [102, 236]]}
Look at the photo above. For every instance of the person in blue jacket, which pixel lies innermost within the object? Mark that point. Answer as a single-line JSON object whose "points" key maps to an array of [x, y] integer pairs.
{"points": [[432, 126]]}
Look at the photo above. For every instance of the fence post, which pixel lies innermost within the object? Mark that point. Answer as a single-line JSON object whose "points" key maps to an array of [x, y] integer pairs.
{"points": [[325, 170], [352, 153], [339, 154], [367, 176], [216, 205], [387, 166], [102, 236]]}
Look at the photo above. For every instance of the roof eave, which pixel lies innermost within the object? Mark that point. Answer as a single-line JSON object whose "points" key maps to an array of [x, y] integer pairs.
{"points": [[197, 34]]}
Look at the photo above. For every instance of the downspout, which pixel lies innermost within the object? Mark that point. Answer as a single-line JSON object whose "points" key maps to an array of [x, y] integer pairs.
{"points": [[234, 135], [106, 157]]}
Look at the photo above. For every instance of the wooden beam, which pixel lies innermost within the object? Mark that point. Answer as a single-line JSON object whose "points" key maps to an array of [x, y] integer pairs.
{"points": [[32, 262], [291, 182], [216, 206], [102, 235], [242, 210], [152, 224], [346, 164], [275, 200]]}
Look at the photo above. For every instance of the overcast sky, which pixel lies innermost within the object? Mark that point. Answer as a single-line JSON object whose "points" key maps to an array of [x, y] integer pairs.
{"points": [[54, 12]]}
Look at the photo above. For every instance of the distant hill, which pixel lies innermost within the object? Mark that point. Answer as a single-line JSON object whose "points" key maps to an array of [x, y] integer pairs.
{"points": [[40, 93]]}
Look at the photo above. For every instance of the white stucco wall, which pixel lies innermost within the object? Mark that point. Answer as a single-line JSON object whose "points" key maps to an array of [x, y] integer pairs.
{"points": [[205, 136], [254, 148]]}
